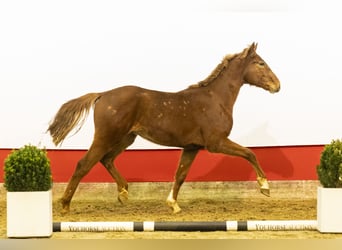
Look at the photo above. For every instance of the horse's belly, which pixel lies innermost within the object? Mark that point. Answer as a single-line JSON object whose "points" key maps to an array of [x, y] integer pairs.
{"points": [[158, 137]]}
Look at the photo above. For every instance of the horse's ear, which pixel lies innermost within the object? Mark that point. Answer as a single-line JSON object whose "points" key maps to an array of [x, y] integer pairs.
{"points": [[252, 50], [255, 45]]}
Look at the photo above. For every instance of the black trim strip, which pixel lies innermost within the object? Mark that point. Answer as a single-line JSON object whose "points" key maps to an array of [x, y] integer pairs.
{"points": [[242, 226], [56, 227], [190, 226], [138, 226]]}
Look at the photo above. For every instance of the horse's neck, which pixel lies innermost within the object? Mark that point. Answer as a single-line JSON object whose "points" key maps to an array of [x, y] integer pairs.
{"points": [[227, 86]]}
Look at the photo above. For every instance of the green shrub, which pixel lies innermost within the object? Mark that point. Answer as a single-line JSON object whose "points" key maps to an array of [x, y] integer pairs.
{"points": [[27, 169], [330, 168]]}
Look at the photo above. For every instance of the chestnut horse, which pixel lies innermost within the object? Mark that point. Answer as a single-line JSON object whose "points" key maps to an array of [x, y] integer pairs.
{"points": [[198, 117]]}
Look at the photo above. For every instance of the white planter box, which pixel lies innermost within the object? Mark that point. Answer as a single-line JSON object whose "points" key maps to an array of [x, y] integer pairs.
{"points": [[29, 214], [329, 210]]}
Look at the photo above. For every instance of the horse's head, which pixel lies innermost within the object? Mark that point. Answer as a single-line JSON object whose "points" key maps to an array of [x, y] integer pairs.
{"points": [[258, 73]]}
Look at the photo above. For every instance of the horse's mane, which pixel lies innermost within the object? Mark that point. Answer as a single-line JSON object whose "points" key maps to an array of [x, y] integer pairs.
{"points": [[219, 68]]}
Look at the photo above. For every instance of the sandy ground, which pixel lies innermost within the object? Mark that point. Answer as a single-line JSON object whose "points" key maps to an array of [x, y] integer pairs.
{"points": [[103, 206]]}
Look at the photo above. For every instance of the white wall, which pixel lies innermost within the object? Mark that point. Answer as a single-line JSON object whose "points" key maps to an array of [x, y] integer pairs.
{"points": [[53, 51]]}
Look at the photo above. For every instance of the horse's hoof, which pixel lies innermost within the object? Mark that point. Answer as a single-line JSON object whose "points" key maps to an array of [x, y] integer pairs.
{"points": [[176, 209], [174, 206], [65, 207], [265, 191], [123, 196], [65, 210], [264, 187]]}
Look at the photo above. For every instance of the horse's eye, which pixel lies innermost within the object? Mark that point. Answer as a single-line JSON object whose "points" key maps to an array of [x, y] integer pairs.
{"points": [[261, 63]]}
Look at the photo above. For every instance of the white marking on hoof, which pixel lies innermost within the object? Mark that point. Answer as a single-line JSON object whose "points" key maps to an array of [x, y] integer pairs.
{"points": [[264, 187], [171, 202], [123, 196]]}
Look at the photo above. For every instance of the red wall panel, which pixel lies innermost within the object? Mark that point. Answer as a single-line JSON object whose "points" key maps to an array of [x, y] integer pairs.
{"points": [[279, 163]]}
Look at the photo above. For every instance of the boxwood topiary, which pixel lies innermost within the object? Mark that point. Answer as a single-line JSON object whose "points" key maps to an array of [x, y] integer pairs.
{"points": [[329, 170], [27, 169]]}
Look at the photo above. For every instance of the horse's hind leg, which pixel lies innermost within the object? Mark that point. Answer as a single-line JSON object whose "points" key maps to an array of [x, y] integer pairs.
{"points": [[94, 154], [227, 146], [107, 162], [185, 162]]}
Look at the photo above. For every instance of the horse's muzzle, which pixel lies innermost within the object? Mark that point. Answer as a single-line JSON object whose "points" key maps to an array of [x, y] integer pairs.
{"points": [[274, 88]]}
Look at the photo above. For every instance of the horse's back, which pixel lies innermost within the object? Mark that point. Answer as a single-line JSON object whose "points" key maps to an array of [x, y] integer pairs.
{"points": [[124, 104]]}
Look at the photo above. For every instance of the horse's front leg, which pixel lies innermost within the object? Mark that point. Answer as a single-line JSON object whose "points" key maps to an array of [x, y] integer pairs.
{"points": [[185, 162], [229, 147]]}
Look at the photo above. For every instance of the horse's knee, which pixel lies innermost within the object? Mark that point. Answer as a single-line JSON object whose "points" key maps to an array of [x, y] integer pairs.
{"points": [[250, 156]]}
